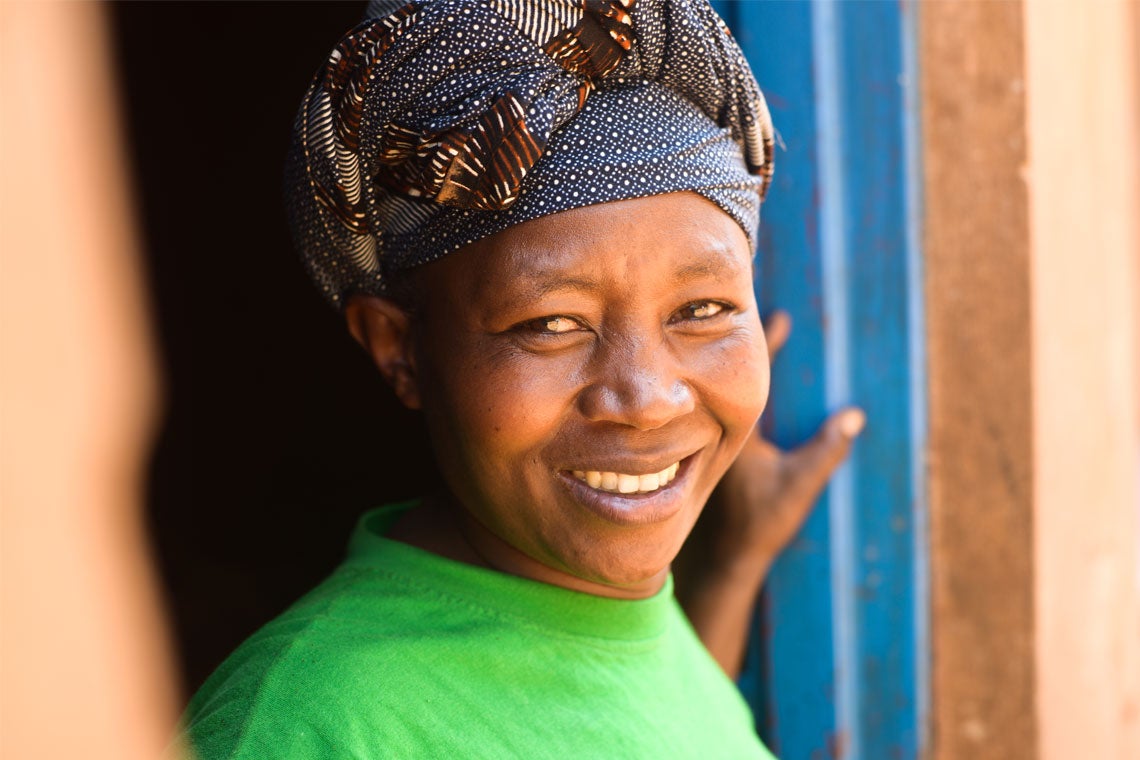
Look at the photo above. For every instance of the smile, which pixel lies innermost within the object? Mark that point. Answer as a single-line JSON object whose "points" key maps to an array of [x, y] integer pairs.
{"points": [[620, 482]]}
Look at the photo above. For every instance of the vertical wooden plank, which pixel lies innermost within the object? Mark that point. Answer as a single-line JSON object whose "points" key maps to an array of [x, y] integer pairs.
{"points": [[976, 249], [876, 279], [842, 630], [794, 674], [790, 673]]}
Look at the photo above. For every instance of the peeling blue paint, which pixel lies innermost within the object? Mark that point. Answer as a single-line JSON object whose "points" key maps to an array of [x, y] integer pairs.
{"points": [[839, 659]]}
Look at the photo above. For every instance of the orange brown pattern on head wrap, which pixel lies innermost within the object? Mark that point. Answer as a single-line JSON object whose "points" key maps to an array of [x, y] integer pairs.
{"points": [[437, 122]]}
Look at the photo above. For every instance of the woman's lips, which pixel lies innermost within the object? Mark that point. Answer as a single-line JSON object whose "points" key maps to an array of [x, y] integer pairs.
{"points": [[637, 505]]}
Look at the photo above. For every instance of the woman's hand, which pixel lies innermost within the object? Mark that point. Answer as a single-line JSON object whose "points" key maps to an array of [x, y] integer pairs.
{"points": [[754, 513]]}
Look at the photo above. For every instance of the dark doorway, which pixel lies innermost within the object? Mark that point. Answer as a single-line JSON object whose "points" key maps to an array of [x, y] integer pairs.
{"points": [[278, 431]]}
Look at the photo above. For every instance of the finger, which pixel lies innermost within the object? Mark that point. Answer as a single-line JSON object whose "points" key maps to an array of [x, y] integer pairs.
{"points": [[777, 327], [810, 466]]}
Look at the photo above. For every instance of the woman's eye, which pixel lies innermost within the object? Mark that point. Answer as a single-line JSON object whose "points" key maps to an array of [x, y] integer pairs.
{"points": [[554, 325], [700, 310]]}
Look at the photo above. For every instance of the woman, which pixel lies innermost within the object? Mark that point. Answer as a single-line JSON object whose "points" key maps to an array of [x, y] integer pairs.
{"points": [[538, 219]]}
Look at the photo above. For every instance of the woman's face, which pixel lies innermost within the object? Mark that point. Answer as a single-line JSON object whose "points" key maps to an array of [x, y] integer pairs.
{"points": [[587, 378]]}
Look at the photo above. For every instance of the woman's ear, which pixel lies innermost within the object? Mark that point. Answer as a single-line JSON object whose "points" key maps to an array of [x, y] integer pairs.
{"points": [[384, 329]]}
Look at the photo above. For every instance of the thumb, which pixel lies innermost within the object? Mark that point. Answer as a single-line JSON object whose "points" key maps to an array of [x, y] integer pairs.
{"points": [[809, 467]]}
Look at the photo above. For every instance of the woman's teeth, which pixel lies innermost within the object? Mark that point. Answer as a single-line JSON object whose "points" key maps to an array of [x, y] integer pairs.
{"points": [[618, 482]]}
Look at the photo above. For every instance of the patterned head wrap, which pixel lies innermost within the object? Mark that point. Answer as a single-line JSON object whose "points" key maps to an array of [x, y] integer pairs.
{"points": [[437, 123]]}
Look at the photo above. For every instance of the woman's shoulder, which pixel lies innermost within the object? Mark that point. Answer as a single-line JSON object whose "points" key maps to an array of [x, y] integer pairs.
{"points": [[296, 687], [377, 663]]}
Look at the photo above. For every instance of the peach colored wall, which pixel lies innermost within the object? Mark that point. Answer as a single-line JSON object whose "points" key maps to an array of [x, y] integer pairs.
{"points": [[84, 666], [1031, 158], [1084, 200]]}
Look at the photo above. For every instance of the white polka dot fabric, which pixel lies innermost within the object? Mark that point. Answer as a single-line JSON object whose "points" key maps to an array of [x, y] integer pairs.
{"points": [[437, 123]]}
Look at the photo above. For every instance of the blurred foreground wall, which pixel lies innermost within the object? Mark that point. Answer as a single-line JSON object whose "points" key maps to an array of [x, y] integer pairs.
{"points": [[85, 667], [1031, 246]]}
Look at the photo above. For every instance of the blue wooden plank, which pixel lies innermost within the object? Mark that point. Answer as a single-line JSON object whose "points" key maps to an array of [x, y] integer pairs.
{"points": [[841, 639], [918, 397], [827, 46], [876, 176], [790, 670]]}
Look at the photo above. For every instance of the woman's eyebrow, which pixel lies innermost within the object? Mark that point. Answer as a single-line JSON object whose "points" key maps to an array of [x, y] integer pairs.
{"points": [[715, 267], [541, 286]]}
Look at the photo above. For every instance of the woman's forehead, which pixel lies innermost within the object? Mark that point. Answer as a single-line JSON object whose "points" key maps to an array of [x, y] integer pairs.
{"points": [[680, 236]]}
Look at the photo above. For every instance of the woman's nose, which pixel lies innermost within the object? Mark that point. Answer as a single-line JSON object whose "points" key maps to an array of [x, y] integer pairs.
{"points": [[638, 384]]}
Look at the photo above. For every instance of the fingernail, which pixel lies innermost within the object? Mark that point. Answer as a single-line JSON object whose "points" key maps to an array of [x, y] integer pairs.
{"points": [[852, 422]]}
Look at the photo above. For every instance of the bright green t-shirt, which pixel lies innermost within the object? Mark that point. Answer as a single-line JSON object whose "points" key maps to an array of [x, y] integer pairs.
{"points": [[405, 654]]}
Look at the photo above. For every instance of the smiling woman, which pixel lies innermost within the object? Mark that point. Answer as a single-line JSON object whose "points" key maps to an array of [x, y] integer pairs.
{"points": [[538, 219], [609, 343]]}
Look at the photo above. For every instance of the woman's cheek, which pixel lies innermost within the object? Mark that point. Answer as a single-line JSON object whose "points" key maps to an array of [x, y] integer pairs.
{"points": [[520, 398], [733, 375]]}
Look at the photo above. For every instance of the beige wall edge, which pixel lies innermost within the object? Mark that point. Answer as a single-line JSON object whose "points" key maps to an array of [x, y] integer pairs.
{"points": [[1031, 156], [1084, 201]]}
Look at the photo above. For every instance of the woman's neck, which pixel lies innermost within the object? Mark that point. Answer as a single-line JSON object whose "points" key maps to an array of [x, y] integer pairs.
{"points": [[441, 526]]}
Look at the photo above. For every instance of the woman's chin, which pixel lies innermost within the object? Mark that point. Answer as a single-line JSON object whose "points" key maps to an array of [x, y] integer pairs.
{"points": [[622, 577]]}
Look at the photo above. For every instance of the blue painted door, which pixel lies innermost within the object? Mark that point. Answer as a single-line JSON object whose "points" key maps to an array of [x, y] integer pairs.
{"points": [[838, 661]]}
